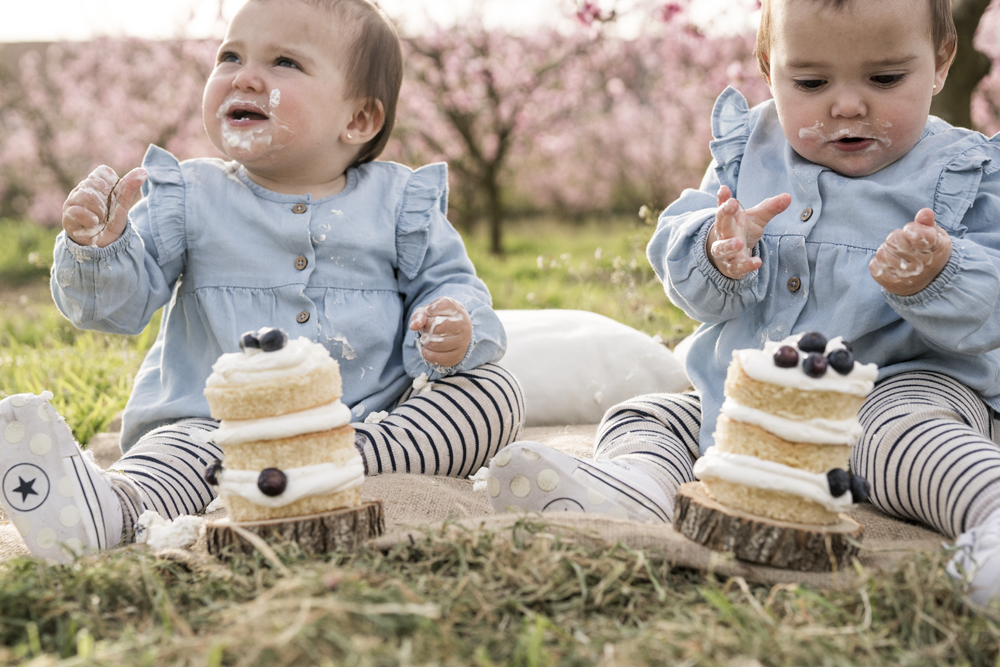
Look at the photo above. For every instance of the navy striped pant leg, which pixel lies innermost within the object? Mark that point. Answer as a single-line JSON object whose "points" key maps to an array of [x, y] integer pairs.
{"points": [[657, 433], [167, 466], [453, 429], [927, 452]]}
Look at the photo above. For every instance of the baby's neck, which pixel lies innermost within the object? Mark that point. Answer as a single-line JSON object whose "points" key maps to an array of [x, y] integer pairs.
{"points": [[297, 186]]}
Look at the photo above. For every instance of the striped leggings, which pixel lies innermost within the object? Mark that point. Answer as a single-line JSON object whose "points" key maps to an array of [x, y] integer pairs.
{"points": [[927, 448], [453, 429]]}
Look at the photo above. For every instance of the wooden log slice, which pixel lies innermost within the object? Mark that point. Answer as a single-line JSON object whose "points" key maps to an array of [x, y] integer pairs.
{"points": [[791, 546], [342, 529]]}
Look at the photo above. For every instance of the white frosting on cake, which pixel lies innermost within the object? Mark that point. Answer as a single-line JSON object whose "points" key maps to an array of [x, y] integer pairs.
{"points": [[770, 476], [253, 366], [811, 431], [314, 480], [759, 365], [321, 418]]}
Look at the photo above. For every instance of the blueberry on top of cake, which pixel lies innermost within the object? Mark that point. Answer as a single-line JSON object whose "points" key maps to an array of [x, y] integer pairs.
{"points": [[809, 362]]}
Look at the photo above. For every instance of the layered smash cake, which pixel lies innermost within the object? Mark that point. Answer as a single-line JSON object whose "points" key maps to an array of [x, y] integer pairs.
{"points": [[783, 441], [286, 438]]}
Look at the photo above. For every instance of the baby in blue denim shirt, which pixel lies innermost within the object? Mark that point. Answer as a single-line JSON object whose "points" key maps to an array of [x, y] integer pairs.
{"points": [[299, 228], [837, 207]]}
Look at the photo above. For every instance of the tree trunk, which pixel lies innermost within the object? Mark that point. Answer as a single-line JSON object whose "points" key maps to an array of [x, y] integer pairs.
{"points": [[342, 529], [495, 212], [954, 103], [755, 539]]}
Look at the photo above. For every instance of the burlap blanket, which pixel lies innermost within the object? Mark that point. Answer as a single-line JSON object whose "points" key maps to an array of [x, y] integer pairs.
{"points": [[416, 505]]}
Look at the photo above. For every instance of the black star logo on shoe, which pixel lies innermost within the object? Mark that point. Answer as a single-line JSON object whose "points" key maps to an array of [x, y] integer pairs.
{"points": [[31, 490], [26, 488]]}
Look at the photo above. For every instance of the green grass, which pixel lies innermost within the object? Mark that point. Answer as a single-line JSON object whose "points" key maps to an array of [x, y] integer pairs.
{"points": [[599, 266], [523, 598], [89, 373], [26, 252]]}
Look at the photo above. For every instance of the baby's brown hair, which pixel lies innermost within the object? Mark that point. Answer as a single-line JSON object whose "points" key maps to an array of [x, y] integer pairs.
{"points": [[374, 64], [942, 30]]}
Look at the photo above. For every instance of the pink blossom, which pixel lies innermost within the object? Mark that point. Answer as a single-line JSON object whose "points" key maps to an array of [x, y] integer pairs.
{"points": [[668, 11], [588, 12]]}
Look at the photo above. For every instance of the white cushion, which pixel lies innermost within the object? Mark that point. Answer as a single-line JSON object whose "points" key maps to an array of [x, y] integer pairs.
{"points": [[573, 365]]}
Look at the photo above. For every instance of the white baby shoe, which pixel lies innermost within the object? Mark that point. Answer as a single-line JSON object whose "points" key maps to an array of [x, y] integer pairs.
{"points": [[530, 476], [977, 560], [54, 493]]}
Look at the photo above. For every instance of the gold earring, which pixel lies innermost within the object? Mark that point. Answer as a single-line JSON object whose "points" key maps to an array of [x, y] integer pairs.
{"points": [[934, 87]]}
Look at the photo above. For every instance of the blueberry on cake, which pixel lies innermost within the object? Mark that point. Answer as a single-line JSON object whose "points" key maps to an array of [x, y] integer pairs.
{"points": [[783, 441], [286, 437]]}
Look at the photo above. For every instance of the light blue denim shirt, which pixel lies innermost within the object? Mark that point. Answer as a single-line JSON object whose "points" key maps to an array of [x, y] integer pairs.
{"points": [[223, 255], [815, 255]]}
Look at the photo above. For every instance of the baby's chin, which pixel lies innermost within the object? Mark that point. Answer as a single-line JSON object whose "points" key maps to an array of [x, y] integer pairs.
{"points": [[252, 151], [852, 165]]}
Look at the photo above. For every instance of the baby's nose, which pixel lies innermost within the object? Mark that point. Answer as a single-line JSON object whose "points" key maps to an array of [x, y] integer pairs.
{"points": [[848, 103], [249, 79]]}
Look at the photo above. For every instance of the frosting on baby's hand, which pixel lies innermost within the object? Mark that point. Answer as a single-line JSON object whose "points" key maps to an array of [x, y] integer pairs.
{"points": [[911, 257], [96, 210], [736, 231], [444, 331]]}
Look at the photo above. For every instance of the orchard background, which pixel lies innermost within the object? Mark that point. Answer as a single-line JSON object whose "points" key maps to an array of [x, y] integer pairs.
{"points": [[555, 139], [575, 123]]}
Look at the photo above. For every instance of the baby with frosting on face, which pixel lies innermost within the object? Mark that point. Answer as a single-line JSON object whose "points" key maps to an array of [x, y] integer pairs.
{"points": [[298, 227], [839, 206]]}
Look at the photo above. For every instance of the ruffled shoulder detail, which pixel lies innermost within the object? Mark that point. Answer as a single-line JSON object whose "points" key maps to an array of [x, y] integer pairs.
{"points": [[166, 202], [961, 177], [730, 132], [424, 197]]}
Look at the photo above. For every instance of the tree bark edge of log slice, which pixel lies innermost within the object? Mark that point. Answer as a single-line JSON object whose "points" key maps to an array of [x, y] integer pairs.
{"points": [[342, 529], [763, 541]]}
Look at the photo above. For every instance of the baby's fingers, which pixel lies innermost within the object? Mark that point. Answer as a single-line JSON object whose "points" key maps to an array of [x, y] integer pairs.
{"points": [[442, 314], [725, 220], [921, 238], [91, 194], [419, 319], [86, 210], [925, 217], [723, 195], [77, 218], [444, 348], [732, 260], [123, 197], [770, 207]]}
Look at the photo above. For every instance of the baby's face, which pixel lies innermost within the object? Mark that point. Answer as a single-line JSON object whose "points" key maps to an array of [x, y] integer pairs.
{"points": [[853, 86], [276, 100]]}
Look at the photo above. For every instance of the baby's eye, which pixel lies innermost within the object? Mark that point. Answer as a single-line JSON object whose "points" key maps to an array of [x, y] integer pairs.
{"points": [[809, 84], [286, 62], [228, 57], [887, 80]]}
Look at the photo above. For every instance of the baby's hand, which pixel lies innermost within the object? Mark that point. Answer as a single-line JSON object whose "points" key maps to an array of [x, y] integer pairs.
{"points": [[736, 231], [911, 257], [96, 210], [444, 331]]}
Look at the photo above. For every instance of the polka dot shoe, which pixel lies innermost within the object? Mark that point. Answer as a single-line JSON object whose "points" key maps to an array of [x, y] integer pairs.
{"points": [[530, 476], [53, 493]]}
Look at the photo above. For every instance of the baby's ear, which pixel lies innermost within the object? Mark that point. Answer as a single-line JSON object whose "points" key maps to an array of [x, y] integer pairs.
{"points": [[368, 119], [945, 57]]}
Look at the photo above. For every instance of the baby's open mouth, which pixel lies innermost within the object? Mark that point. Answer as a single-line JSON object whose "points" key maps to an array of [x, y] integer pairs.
{"points": [[851, 140], [246, 114]]}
